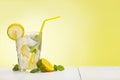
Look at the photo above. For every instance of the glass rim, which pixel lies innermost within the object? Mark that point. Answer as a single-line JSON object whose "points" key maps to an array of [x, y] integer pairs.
{"points": [[32, 32]]}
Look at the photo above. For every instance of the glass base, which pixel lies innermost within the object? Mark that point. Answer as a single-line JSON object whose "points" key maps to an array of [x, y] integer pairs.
{"points": [[25, 70]]}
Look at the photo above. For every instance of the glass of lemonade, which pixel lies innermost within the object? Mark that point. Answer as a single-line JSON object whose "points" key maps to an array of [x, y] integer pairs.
{"points": [[28, 51], [28, 46]]}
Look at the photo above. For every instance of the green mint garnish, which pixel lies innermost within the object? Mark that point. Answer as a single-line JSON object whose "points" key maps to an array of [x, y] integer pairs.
{"points": [[39, 63], [42, 68], [34, 48], [55, 67], [34, 70], [16, 67], [60, 68], [37, 38]]}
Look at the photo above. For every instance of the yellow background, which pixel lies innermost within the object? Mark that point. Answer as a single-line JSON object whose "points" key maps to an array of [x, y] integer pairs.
{"points": [[87, 34]]}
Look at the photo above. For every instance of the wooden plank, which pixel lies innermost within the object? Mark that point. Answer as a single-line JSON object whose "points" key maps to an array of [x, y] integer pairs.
{"points": [[70, 73], [100, 73]]}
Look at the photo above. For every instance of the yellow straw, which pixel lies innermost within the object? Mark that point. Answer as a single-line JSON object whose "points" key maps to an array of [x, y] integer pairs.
{"points": [[47, 20]]}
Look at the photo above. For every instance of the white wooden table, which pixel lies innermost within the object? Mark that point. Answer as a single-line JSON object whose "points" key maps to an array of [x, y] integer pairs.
{"points": [[100, 73], [70, 73]]}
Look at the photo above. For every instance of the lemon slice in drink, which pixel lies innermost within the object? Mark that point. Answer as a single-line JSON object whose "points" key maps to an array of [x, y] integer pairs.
{"points": [[32, 60], [48, 66], [24, 50], [15, 31]]}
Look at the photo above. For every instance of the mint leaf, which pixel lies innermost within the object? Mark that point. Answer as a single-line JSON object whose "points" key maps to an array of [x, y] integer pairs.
{"points": [[37, 38], [60, 68], [55, 67], [34, 48], [39, 63], [16, 67], [42, 68], [34, 70]]}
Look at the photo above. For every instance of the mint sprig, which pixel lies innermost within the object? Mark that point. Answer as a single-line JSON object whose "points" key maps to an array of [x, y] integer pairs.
{"points": [[34, 70], [55, 68], [58, 67], [39, 63], [37, 38], [34, 48], [40, 67], [16, 68]]}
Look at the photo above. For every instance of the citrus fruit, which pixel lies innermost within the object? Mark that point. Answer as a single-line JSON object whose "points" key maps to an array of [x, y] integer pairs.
{"points": [[32, 61], [15, 31], [24, 51], [48, 66]]}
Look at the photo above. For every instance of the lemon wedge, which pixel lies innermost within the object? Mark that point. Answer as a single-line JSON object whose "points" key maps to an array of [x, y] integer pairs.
{"points": [[15, 31], [24, 51], [48, 66], [32, 60]]}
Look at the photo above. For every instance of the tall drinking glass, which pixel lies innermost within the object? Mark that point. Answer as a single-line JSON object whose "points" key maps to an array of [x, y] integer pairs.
{"points": [[28, 51]]}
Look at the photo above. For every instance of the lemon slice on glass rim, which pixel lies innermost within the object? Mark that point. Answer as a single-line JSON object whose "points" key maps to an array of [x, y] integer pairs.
{"points": [[15, 31]]}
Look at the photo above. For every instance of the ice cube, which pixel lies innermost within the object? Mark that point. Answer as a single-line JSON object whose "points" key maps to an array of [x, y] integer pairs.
{"points": [[29, 41]]}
